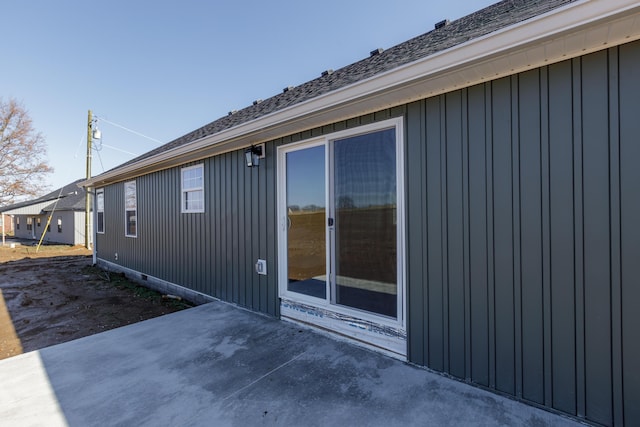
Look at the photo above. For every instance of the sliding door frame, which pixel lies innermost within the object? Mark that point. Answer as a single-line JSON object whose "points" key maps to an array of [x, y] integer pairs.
{"points": [[293, 303]]}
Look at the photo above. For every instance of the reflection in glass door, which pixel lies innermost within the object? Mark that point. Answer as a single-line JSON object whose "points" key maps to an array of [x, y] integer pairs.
{"points": [[306, 221], [364, 210]]}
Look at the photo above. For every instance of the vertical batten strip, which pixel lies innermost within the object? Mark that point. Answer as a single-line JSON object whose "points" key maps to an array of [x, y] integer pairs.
{"points": [[478, 328], [516, 232], [491, 277], [615, 236], [416, 288], [444, 232], [424, 222], [435, 278], [455, 238], [578, 236], [596, 240], [629, 156], [546, 237], [466, 279]]}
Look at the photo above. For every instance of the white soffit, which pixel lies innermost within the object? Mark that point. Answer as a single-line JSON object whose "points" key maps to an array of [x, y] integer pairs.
{"points": [[567, 32]]}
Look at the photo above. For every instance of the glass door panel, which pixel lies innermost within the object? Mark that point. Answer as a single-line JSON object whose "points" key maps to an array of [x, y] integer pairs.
{"points": [[364, 198], [306, 221]]}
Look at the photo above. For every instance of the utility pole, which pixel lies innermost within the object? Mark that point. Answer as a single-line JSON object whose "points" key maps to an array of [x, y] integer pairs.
{"points": [[87, 193]]}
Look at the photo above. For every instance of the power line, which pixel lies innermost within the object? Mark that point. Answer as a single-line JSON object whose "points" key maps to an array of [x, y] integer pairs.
{"points": [[118, 149], [129, 130], [82, 139], [100, 158]]}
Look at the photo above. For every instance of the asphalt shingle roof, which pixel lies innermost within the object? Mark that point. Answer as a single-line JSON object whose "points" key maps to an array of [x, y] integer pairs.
{"points": [[71, 198], [475, 25]]}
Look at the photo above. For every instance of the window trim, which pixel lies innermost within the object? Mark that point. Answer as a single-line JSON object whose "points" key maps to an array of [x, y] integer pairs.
{"points": [[135, 209], [184, 190], [100, 192]]}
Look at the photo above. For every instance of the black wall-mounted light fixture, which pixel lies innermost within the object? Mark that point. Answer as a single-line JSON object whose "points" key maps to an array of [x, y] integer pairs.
{"points": [[253, 155]]}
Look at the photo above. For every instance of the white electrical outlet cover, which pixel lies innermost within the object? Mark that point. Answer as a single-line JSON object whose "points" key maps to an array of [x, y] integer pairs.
{"points": [[261, 267]]}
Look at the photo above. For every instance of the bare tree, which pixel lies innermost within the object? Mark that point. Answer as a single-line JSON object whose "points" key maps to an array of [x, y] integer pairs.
{"points": [[22, 154]]}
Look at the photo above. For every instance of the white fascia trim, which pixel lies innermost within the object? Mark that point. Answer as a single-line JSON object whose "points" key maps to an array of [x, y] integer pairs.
{"points": [[505, 50]]}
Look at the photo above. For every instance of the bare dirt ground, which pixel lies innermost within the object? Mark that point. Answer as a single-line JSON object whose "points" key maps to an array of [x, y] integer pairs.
{"points": [[57, 295]]}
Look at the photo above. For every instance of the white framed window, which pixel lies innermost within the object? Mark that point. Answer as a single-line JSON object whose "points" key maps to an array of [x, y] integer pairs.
{"points": [[29, 223], [192, 185], [100, 211], [130, 209]]}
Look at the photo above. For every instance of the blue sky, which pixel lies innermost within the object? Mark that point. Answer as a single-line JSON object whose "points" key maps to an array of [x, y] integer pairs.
{"points": [[164, 68]]}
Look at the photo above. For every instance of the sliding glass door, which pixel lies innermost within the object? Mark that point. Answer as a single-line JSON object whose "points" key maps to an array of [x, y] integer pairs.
{"points": [[306, 219], [339, 224], [365, 235]]}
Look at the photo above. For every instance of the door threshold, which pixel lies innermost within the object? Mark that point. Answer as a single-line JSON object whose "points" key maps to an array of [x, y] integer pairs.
{"points": [[387, 339]]}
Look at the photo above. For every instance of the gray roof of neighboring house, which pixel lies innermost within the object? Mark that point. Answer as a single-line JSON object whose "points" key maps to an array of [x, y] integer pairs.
{"points": [[475, 25], [71, 198]]}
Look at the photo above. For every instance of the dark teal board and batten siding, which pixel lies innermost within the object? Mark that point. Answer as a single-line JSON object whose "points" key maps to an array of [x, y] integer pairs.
{"points": [[207, 252], [214, 252], [524, 241]]}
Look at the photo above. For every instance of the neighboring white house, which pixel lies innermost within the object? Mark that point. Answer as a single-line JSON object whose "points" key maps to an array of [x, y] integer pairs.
{"points": [[59, 215]]}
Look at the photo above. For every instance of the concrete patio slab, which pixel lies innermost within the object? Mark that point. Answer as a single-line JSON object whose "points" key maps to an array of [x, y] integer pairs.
{"points": [[218, 365]]}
